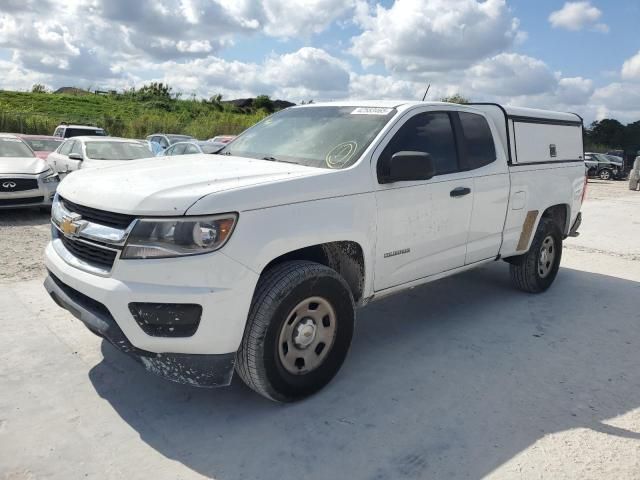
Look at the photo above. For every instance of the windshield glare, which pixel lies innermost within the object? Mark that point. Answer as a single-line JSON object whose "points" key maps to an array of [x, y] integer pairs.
{"points": [[116, 150], [12, 147], [322, 137]]}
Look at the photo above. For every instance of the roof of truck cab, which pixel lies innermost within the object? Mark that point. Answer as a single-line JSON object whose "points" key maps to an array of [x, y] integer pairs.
{"points": [[101, 138], [404, 104]]}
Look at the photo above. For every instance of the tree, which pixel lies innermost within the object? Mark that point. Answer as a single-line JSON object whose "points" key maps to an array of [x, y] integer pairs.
{"points": [[456, 98], [608, 132], [264, 102], [154, 91], [38, 88]]}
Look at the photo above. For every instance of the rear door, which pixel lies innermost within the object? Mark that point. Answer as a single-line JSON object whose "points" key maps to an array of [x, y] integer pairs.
{"points": [[422, 226], [486, 162]]}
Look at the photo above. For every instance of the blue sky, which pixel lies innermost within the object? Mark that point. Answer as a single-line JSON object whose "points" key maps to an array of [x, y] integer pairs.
{"points": [[582, 56]]}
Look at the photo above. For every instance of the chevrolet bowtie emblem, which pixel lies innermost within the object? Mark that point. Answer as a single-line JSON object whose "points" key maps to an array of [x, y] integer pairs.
{"points": [[70, 225]]}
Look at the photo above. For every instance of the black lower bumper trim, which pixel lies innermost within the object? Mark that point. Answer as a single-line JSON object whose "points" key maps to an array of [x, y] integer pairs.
{"points": [[190, 369], [576, 225]]}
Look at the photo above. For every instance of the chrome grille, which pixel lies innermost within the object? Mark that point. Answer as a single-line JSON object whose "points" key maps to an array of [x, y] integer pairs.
{"points": [[90, 252], [110, 219]]}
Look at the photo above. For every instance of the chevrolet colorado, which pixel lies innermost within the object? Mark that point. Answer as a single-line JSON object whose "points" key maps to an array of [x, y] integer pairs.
{"points": [[256, 260]]}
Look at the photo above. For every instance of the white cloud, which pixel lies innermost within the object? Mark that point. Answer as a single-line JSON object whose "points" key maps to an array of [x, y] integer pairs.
{"points": [[576, 16], [509, 74], [631, 68], [416, 36]]}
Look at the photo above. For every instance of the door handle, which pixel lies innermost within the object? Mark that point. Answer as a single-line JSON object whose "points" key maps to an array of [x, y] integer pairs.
{"points": [[460, 192]]}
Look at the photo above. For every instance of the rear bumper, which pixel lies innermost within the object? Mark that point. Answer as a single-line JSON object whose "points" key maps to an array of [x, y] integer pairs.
{"points": [[191, 369]]}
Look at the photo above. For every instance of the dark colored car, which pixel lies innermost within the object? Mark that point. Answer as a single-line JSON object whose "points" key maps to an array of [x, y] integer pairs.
{"points": [[605, 167]]}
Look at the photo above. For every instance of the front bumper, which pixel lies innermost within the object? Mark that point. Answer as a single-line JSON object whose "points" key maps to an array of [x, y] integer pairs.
{"points": [[40, 197], [221, 286], [196, 370]]}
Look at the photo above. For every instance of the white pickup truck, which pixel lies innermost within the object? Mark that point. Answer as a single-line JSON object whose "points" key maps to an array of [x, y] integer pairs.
{"points": [[256, 259]]}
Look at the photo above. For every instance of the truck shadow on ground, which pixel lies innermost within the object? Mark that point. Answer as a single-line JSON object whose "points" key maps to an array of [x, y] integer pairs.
{"points": [[449, 380]]}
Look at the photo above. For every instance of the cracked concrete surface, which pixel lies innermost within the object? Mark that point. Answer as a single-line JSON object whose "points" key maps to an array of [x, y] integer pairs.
{"points": [[462, 378]]}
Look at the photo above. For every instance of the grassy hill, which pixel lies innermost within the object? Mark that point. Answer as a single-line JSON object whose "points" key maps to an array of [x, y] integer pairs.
{"points": [[124, 114]]}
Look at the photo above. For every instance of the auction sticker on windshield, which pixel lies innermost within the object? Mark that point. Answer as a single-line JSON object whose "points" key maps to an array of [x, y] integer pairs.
{"points": [[371, 111]]}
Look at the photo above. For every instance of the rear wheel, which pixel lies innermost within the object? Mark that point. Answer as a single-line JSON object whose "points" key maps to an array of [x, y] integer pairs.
{"points": [[536, 270], [605, 174], [298, 332]]}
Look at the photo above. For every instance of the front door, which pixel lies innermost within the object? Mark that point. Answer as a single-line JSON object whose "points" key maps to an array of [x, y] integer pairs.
{"points": [[422, 226]]}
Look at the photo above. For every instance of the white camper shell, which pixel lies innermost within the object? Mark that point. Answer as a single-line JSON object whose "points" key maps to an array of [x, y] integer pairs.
{"points": [[533, 136]]}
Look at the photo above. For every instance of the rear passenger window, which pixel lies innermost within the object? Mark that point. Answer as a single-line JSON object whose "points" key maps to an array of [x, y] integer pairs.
{"points": [[431, 133], [477, 142]]}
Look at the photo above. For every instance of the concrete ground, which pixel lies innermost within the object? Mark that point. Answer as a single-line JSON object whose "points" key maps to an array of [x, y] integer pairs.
{"points": [[462, 378]]}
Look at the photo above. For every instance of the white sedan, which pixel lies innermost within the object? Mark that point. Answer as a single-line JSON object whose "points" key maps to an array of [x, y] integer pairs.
{"points": [[89, 152], [25, 179]]}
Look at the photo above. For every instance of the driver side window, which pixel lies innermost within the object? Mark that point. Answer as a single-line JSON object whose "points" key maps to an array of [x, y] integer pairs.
{"points": [[430, 133]]}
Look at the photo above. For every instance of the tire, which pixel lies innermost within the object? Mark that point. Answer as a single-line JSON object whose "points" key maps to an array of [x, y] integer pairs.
{"points": [[528, 273], [605, 174], [268, 359]]}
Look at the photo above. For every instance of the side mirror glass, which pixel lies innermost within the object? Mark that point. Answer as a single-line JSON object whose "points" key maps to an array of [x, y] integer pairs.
{"points": [[407, 166], [75, 156]]}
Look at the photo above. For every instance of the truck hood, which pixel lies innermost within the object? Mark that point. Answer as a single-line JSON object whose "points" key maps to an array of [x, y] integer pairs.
{"points": [[170, 185], [22, 165]]}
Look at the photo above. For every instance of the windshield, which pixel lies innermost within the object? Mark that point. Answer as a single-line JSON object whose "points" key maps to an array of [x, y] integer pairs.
{"points": [[117, 150], [179, 138], [322, 137], [43, 145], [210, 147], [12, 147]]}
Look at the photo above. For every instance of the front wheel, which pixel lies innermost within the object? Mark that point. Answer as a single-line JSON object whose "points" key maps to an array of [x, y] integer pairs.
{"points": [[298, 331], [536, 270], [605, 174]]}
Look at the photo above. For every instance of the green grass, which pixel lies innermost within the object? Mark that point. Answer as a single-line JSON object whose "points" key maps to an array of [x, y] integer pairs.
{"points": [[120, 115]]}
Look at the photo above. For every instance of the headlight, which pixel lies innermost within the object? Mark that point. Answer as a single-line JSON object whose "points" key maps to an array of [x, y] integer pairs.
{"points": [[177, 237]]}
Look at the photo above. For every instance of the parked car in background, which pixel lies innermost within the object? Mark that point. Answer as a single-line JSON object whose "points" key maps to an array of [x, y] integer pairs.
{"points": [[634, 175], [42, 145], [222, 139], [167, 139], [87, 152], [187, 148], [25, 179], [605, 167], [68, 131]]}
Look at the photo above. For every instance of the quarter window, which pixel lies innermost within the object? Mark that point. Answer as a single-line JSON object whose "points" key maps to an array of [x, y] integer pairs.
{"points": [[477, 141], [431, 133]]}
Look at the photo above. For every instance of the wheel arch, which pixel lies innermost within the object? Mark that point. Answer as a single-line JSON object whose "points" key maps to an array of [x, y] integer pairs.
{"points": [[345, 257]]}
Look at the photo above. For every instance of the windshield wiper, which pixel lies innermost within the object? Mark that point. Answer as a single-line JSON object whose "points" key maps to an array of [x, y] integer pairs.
{"points": [[274, 159]]}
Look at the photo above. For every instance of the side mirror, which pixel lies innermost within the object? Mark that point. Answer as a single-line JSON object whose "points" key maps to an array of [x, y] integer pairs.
{"points": [[407, 166], [75, 156]]}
